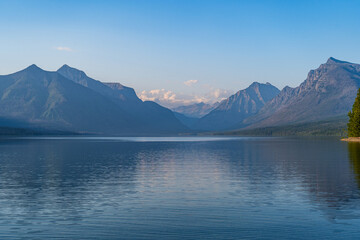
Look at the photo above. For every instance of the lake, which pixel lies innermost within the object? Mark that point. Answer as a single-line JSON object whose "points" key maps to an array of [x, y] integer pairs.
{"points": [[179, 188]]}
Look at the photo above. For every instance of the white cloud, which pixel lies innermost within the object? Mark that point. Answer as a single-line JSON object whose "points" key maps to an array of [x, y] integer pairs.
{"points": [[218, 94], [164, 97], [170, 99], [66, 49], [158, 95], [189, 83]]}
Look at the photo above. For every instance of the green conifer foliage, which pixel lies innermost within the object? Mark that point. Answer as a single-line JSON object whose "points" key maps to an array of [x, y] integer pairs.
{"points": [[354, 118]]}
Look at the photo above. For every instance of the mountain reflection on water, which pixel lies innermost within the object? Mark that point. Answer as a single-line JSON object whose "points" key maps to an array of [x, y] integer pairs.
{"points": [[249, 188]]}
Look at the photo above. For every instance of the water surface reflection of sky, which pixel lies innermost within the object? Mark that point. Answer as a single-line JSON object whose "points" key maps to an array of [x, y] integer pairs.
{"points": [[257, 188]]}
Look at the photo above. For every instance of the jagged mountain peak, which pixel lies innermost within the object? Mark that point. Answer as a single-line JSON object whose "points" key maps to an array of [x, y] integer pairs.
{"points": [[257, 85], [65, 66], [33, 68], [332, 60], [115, 85], [328, 73], [328, 91], [262, 92], [254, 84], [67, 70], [287, 88], [69, 100], [238, 107]]}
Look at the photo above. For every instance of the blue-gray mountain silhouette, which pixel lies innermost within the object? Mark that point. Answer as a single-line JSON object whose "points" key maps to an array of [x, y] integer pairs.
{"points": [[151, 116], [236, 108], [52, 100], [328, 91], [69, 100], [196, 110]]}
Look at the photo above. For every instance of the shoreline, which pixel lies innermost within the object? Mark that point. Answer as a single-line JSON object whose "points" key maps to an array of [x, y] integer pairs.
{"points": [[351, 139]]}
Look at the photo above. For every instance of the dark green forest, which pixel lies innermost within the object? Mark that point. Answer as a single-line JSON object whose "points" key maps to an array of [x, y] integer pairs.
{"points": [[331, 127]]}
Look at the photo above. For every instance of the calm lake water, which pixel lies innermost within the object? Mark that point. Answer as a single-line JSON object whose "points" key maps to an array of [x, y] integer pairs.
{"points": [[179, 188]]}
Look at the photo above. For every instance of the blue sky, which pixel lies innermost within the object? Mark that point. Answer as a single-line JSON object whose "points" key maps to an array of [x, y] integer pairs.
{"points": [[223, 46]]}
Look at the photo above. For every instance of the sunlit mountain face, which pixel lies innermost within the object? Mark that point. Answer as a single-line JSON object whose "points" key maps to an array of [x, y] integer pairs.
{"points": [[238, 107], [328, 91]]}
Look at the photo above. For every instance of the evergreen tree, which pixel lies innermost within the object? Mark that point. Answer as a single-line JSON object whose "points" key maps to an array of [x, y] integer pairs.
{"points": [[354, 118]]}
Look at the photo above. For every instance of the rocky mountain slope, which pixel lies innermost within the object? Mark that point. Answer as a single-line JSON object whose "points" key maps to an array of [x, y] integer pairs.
{"points": [[152, 116], [328, 91], [51, 100], [236, 108]]}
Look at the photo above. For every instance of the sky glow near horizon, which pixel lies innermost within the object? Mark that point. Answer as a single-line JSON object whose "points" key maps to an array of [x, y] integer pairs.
{"points": [[180, 52]]}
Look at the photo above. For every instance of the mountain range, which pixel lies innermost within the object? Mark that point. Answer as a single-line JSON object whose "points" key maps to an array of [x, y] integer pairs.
{"points": [[327, 92], [196, 110], [67, 100], [238, 107]]}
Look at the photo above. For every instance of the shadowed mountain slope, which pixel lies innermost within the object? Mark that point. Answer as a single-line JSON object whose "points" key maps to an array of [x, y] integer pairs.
{"points": [[152, 116], [51, 100], [238, 107], [115, 90]]}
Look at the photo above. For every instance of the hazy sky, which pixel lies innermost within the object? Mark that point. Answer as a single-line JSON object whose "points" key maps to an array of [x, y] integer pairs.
{"points": [[180, 49]]}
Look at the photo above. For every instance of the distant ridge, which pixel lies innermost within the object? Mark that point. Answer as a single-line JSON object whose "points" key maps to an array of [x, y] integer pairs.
{"points": [[196, 110], [107, 89], [236, 108], [68, 100], [150, 116], [328, 91], [48, 99]]}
